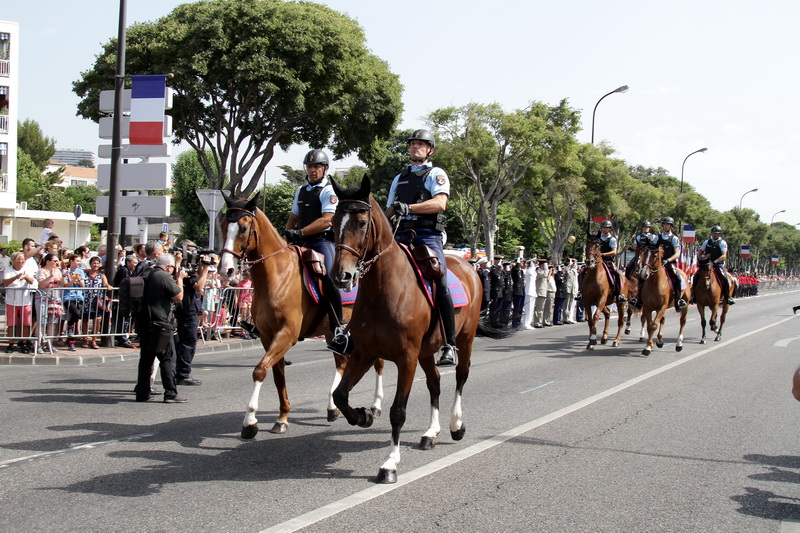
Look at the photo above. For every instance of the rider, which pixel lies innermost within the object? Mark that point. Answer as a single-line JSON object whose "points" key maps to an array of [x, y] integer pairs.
{"points": [[608, 250], [645, 238], [672, 250], [309, 225], [717, 250], [418, 196]]}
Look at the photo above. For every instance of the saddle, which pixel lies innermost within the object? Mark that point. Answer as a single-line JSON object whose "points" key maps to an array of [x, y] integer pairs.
{"points": [[312, 268], [457, 292]]}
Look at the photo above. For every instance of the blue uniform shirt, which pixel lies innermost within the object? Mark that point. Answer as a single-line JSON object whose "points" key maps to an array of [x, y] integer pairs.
{"points": [[326, 196], [723, 247], [436, 182]]}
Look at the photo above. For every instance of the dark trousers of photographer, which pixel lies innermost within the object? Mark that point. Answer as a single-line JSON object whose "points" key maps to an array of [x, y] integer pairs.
{"points": [[157, 342], [186, 344]]}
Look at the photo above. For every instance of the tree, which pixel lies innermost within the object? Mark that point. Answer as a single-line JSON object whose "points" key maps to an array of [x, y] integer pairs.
{"points": [[83, 195], [187, 177], [32, 141], [88, 163], [276, 202], [251, 76]]}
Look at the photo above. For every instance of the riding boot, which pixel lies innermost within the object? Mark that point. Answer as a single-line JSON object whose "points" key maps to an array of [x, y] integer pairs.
{"points": [[618, 288], [340, 342], [680, 303], [444, 304], [726, 290]]}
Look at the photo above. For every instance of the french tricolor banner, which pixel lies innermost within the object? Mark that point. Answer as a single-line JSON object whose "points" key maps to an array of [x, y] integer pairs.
{"points": [[745, 253], [148, 101], [688, 233], [775, 259]]}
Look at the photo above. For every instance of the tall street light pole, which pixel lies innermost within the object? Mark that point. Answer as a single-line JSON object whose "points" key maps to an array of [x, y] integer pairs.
{"points": [[684, 163], [773, 216], [622, 89], [745, 194]]}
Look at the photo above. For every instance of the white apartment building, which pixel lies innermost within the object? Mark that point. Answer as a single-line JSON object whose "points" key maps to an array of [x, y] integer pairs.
{"points": [[16, 221]]}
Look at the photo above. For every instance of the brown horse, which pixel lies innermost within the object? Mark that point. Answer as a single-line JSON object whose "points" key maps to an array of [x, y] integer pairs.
{"points": [[283, 310], [598, 291], [656, 295], [708, 293], [393, 319], [634, 283]]}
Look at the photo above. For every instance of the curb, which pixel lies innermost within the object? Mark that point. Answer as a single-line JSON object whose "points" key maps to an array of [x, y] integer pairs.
{"points": [[116, 355]]}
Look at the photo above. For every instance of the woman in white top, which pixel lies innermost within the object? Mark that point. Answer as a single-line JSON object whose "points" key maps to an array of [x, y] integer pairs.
{"points": [[18, 302]]}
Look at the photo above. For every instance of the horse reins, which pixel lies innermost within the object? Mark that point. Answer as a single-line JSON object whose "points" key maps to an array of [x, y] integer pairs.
{"points": [[363, 265], [245, 263]]}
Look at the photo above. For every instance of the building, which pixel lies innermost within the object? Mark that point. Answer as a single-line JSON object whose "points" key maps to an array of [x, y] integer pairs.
{"points": [[73, 175], [16, 221], [72, 157]]}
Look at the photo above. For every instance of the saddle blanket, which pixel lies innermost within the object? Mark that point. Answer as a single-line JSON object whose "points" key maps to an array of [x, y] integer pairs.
{"points": [[348, 297], [457, 292]]}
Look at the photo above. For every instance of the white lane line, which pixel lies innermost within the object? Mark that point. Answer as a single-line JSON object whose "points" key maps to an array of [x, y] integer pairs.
{"points": [[783, 343], [537, 388], [87, 446], [789, 526], [405, 478]]}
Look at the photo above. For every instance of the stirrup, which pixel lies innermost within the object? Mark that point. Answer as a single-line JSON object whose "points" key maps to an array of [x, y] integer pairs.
{"points": [[341, 342], [680, 305], [621, 298], [448, 356]]}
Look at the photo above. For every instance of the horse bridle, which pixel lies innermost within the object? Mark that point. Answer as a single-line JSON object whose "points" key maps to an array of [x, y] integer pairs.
{"points": [[245, 263], [362, 265]]}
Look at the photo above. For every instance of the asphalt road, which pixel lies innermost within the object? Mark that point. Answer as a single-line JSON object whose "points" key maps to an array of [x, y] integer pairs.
{"points": [[558, 438]]}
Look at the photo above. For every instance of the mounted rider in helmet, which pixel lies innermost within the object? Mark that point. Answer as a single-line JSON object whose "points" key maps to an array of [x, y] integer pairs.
{"points": [[309, 225], [608, 251], [640, 241], [717, 250], [672, 250], [418, 196]]}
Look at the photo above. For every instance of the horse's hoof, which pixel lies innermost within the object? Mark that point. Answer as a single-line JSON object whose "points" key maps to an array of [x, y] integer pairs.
{"points": [[642, 339], [427, 443], [376, 412], [458, 435], [590, 346], [603, 341], [627, 331], [592, 342], [646, 352], [660, 344], [713, 328], [387, 476], [365, 418], [702, 341], [614, 344], [716, 339], [280, 428], [248, 432], [333, 414], [679, 347]]}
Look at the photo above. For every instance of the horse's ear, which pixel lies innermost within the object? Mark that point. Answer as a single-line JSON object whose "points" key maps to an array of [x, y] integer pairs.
{"points": [[336, 187], [253, 203], [228, 201], [366, 187]]}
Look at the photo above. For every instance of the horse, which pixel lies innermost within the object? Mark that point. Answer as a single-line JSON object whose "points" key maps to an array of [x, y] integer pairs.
{"points": [[656, 295], [597, 290], [393, 319], [283, 311], [634, 283], [708, 293]]}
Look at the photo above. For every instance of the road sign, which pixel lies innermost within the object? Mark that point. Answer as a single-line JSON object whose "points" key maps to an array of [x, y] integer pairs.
{"points": [[78, 211], [212, 199], [165, 227], [136, 206], [136, 150], [107, 100], [135, 177], [107, 127]]}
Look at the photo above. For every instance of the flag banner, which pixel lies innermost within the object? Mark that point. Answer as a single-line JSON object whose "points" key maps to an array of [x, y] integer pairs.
{"points": [[745, 252], [775, 259], [148, 101], [600, 218], [688, 233]]}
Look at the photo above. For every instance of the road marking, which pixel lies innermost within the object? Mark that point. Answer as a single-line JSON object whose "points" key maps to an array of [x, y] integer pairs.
{"points": [[539, 387], [336, 507], [783, 343], [87, 446], [789, 526]]}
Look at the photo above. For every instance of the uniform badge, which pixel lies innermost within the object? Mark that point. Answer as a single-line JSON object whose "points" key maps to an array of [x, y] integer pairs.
{"points": [[440, 180], [334, 199]]}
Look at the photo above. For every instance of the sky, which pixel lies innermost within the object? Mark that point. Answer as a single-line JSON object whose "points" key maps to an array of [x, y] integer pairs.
{"points": [[709, 74]]}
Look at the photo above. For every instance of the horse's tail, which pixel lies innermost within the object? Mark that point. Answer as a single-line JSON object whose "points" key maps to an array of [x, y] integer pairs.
{"points": [[485, 329]]}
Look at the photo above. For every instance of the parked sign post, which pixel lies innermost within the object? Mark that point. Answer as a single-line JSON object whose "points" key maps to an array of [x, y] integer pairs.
{"points": [[212, 200]]}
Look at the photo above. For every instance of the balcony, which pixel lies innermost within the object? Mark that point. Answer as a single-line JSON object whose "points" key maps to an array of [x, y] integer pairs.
{"points": [[5, 68], [3, 123]]}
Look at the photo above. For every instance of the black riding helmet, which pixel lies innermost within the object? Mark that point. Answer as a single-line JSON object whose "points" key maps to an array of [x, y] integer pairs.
{"points": [[605, 224], [423, 135], [316, 157], [647, 224], [716, 229], [668, 220]]}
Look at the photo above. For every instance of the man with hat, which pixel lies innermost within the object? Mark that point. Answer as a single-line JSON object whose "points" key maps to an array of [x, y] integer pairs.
{"points": [[640, 241], [608, 251], [672, 250], [717, 250], [486, 283], [543, 274], [497, 286]]}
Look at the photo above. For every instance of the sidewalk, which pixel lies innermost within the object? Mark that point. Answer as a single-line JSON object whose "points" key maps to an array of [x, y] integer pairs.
{"points": [[109, 355]]}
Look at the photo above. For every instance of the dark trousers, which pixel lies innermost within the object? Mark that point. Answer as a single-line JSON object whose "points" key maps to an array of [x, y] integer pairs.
{"points": [[147, 356], [558, 311], [519, 304], [185, 346]]}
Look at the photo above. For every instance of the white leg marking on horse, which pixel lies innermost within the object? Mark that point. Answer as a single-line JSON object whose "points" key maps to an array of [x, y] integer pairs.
{"points": [[456, 414], [337, 378], [252, 405], [592, 337], [434, 428], [378, 392], [394, 457]]}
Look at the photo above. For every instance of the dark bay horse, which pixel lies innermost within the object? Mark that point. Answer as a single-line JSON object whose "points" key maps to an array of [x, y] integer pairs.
{"points": [[634, 283], [283, 310], [708, 293], [597, 291], [656, 295], [392, 318]]}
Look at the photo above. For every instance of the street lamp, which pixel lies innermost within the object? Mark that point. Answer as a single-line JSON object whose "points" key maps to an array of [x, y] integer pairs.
{"points": [[773, 216], [684, 163], [745, 194], [622, 89]]}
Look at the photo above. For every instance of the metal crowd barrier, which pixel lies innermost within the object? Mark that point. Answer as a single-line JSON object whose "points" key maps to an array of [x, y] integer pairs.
{"points": [[232, 305]]}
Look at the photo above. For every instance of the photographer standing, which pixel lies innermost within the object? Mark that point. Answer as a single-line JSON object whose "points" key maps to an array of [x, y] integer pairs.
{"points": [[188, 315]]}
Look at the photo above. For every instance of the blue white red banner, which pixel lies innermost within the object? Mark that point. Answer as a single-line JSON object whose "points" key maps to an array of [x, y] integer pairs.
{"points": [[745, 252], [688, 233], [775, 259], [148, 101]]}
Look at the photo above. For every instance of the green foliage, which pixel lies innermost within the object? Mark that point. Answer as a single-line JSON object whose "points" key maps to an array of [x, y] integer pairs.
{"points": [[32, 141], [88, 163], [276, 202], [83, 195], [187, 177], [293, 175], [252, 76]]}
